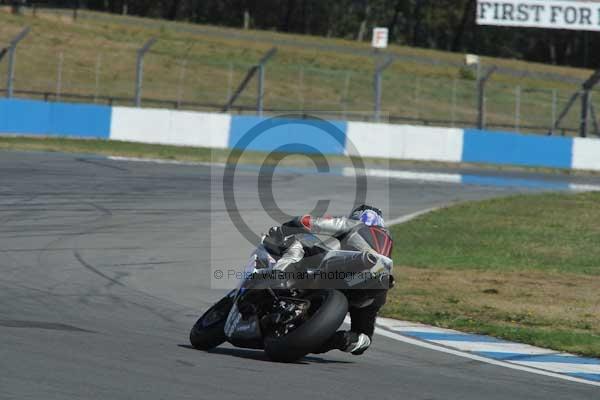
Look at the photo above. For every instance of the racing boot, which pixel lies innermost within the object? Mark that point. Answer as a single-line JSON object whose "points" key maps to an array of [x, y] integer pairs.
{"points": [[346, 341]]}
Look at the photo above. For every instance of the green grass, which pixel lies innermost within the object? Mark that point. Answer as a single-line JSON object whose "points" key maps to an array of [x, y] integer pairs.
{"points": [[200, 154], [547, 335], [156, 151], [551, 232], [105, 147], [298, 77], [523, 268]]}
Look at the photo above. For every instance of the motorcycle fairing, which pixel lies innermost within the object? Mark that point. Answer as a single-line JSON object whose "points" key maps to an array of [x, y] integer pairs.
{"points": [[243, 331]]}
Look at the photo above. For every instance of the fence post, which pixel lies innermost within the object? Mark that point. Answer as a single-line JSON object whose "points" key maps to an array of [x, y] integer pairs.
{"points": [[565, 111], [345, 94], [59, 74], [586, 86], [11, 61], [554, 98], [261, 80], [140, 70], [377, 86], [585, 108], [181, 80], [416, 97], [481, 97], [593, 114], [301, 87], [517, 107], [229, 81], [97, 73], [246, 80], [261, 90], [453, 107]]}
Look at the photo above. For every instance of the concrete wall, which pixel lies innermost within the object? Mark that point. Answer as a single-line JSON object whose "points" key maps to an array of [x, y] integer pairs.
{"points": [[183, 128], [287, 135], [515, 149], [54, 119], [586, 154], [180, 128], [404, 142]]}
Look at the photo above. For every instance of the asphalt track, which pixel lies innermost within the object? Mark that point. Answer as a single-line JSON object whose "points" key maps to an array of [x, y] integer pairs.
{"points": [[105, 265]]}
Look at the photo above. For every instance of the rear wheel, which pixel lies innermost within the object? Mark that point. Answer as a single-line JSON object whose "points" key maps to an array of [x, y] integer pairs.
{"points": [[209, 331], [326, 313]]}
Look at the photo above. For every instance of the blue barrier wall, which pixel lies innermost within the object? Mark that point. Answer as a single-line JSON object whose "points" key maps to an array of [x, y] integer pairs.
{"points": [[287, 135], [33, 117], [515, 149], [30, 117]]}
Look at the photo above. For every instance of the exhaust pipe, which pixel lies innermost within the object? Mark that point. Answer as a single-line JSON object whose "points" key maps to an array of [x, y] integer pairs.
{"points": [[346, 261]]}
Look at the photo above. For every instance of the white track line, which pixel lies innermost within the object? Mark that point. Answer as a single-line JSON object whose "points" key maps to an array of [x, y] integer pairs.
{"points": [[431, 346], [439, 177], [408, 217], [564, 368], [407, 175], [580, 187], [400, 326], [164, 161], [496, 347]]}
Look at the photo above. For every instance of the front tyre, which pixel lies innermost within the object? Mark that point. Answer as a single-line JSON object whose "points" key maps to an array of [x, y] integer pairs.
{"points": [[326, 314], [209, 331]]}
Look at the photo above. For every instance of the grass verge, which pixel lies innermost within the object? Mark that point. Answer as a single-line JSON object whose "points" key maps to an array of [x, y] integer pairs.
{"points": [[105, 147], [200, 154], [522, 268]]}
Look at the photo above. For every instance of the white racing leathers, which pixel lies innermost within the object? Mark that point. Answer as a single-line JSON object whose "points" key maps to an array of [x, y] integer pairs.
{"points": [[364, 305], [352, 234]]}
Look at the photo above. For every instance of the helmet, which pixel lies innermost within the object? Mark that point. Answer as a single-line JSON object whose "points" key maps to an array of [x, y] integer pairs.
{"points": [[368, 215]]}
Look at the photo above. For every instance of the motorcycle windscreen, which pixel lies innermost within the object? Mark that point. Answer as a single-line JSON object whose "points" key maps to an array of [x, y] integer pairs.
{"points": [[260, 260]]}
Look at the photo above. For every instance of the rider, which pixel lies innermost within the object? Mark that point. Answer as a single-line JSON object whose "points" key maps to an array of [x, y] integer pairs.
{"points": [[363, 230]]}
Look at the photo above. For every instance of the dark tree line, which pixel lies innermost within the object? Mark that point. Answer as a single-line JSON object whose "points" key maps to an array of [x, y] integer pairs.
{"points": [[437, 24]]}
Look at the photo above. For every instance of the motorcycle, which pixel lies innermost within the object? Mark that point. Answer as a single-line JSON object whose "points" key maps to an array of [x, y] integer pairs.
{"points": [[289, 317]]}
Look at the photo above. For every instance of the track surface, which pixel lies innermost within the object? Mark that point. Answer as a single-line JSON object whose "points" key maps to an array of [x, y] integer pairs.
{"points": [[105, 265]]}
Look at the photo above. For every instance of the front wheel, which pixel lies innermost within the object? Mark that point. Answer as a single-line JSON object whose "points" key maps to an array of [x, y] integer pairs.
{"points": [[209, 331], [326, 314]]}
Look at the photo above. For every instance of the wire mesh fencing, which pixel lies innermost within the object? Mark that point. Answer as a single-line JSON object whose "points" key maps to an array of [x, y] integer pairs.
{"points": [[108, 76]]}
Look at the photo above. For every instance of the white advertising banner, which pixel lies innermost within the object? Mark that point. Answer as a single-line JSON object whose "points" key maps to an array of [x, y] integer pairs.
{"points": [[555, 14]]}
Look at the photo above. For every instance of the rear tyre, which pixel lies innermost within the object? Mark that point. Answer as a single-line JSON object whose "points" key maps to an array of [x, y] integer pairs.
{"points": [[331, 307], [209, 331]]}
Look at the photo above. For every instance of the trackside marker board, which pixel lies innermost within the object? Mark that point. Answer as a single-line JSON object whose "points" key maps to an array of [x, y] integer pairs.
{"points": [[553, 14], [380, 38]]}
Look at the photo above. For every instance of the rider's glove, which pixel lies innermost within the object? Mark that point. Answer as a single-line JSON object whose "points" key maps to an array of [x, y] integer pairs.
{"points": [[280, 236], [276, 234], [276, 242], [296, 225]]}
